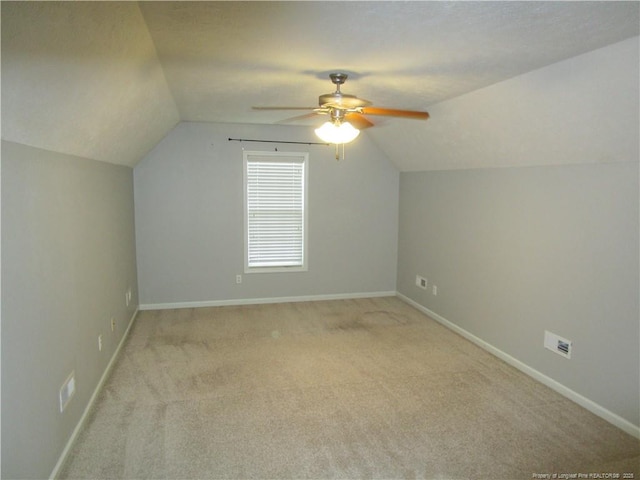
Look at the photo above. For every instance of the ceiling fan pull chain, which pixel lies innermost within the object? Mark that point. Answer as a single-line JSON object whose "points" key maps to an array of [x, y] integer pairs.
{"points": [[338, 151]]}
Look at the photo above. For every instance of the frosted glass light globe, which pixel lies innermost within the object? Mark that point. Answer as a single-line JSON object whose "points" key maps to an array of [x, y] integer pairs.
{"points": [[332, 133]]}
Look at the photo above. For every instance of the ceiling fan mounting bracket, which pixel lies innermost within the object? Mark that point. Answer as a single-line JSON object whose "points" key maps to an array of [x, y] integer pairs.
{"points": [[338, 79]]}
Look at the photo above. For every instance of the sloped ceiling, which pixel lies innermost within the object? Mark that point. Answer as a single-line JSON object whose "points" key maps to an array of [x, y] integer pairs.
{"points": [[83, 78], [107, 80]]}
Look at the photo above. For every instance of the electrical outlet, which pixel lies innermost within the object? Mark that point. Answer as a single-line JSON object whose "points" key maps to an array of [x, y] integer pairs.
{"points": [[238, 279], [100, 342], [434, 290], [421, 282], [113, 324], [67, 390]]}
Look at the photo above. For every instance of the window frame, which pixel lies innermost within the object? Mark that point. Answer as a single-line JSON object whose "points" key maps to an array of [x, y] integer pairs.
{"points": [[276, 156]]}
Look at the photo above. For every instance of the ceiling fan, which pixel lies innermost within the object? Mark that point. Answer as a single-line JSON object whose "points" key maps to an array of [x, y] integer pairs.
{"points": [[347, 113]]}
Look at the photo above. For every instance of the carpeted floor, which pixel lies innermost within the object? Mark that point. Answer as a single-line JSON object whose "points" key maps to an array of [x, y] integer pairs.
{"points": [[367, 388]]}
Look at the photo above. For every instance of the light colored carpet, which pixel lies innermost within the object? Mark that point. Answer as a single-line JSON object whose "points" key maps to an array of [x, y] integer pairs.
{"points": [[367, 388]]}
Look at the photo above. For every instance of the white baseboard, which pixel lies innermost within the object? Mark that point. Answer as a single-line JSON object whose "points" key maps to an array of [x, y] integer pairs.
{"points": [[257, 301], [590, 405], [87, 410]]}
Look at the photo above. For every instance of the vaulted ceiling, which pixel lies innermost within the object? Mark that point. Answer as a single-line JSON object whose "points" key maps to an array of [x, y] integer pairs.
{"points": [[108, 80]]}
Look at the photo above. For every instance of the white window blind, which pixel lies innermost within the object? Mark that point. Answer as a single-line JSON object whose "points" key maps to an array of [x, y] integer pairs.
{"points": [[275, 184]]}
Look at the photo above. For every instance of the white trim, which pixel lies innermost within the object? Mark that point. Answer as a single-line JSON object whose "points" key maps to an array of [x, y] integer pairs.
{"points": [[257, 301], [590, 405], [94, 396]]}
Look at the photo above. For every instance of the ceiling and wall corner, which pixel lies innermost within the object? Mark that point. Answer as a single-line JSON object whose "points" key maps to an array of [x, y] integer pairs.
{"points": [[83, 78], [108, 80], [584, 110]]}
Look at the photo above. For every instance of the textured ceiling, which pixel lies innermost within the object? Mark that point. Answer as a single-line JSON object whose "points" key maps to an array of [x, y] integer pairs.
{"points": [[107, 80], [82, 78]]}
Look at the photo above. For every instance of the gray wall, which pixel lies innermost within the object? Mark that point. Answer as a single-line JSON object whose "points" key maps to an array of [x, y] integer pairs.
{"points": [[68, 257], [189, 218], [518, 251]]}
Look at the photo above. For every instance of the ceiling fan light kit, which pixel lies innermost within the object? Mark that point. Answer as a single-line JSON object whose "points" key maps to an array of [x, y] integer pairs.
{"points": [[337, 133], [346, 110]]}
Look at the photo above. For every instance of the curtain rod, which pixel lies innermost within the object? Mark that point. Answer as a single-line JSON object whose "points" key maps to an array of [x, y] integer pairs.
{"points": [[275, 141]]}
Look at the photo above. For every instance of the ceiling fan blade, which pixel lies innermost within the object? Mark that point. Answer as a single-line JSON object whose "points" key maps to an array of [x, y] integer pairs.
{"points": [[358, 121], [298, 117], [392, 112], [284, 108]]}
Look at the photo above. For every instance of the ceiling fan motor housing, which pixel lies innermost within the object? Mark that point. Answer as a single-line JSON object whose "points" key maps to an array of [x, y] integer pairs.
{"points": [[342, 100], [338, 99]]}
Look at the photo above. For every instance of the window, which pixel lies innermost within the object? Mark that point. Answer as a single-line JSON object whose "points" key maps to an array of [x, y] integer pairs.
{"points": [[275, 211]]}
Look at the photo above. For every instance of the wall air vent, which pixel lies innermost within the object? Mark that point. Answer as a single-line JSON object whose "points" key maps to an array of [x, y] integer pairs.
{"points": [[563, 347], [557, 344]]}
